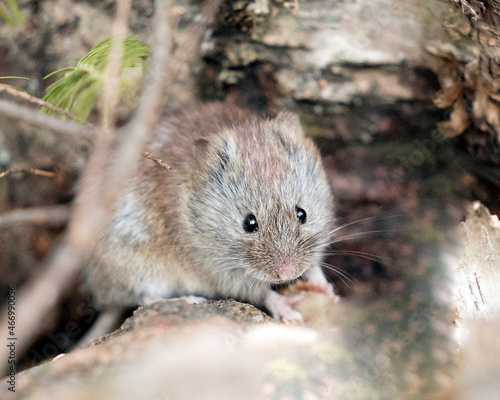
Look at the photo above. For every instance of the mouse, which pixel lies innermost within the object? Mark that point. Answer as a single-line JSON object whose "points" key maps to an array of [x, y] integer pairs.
{"points": [[246, 206]]}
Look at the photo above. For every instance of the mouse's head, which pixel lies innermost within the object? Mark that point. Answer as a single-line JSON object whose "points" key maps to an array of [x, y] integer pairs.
{"points": [[260, 200]]}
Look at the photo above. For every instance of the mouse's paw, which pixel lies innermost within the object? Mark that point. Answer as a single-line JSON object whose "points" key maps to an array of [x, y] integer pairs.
{"points": [[282, 307], [316, 278]]}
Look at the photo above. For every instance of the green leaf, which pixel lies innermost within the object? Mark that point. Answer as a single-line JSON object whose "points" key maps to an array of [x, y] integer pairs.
{"points": [[14, 77], [78, 90], [11, 13], [59, 70]]}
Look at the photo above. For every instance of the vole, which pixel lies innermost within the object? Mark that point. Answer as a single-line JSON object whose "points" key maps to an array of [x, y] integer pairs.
{"points": [[246, 205]]}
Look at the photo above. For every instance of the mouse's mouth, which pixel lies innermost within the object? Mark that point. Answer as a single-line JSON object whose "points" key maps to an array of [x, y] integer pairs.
{"points": [[273, 280], [279, 286], [281, 280], [286, 281]]}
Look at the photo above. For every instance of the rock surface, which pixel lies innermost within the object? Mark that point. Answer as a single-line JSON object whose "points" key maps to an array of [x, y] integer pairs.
{"points": [[172, 350], [226, 349]]}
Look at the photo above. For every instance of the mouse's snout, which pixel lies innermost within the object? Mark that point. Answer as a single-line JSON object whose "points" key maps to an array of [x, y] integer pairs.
{"points": [[286, 268]]}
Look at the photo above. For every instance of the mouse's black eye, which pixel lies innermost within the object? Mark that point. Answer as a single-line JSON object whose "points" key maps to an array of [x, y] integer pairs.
{"points": [[250, 223], [301, 215]]}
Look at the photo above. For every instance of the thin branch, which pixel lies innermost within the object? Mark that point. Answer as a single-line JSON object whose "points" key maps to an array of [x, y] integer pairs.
{"points": [[27, 170], [135, 134], [156, 160], [39, 297], [54, 216], [102, 181], [110, 92], [13, 91], [18, 112]]}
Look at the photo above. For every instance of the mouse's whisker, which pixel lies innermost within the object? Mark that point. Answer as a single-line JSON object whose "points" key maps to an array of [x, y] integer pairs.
{"points": [[366, 219], [197, 261], [344, 276], [221, 270], [361, 254], [188, 246], [187, 264], [191, 264], [235, 284], [358, 235], [254, 283]]}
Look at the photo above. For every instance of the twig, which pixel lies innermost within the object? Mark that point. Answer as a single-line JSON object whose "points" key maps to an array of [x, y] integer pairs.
{"points": [[137, 131], [102, 181], [156, 160], [69, 128], [32, 99], [110, 92], [26, 170], [39, 297], [54, 216]]}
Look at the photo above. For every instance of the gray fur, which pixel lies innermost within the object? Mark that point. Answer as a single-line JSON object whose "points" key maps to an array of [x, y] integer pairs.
{"points": [[185, 234]]}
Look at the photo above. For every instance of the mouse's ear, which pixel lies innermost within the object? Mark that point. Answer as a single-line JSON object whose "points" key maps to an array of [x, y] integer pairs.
{"points": [[201, 146], [225, 148], [288, 124], [221, 148]]}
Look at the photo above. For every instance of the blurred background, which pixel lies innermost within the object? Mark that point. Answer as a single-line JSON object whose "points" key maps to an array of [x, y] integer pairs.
{"points": [[402, 99]]}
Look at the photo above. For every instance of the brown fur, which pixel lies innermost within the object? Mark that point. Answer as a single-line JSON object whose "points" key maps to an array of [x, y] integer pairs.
{"points": [[180, 232]]}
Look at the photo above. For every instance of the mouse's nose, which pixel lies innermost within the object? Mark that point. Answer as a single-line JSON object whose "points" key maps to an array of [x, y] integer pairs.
{"points": [[286, 268]]}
